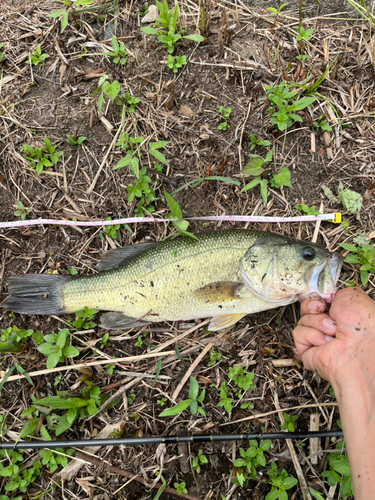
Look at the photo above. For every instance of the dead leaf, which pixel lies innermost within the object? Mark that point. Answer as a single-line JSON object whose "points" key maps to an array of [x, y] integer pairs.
{"points": [[186, 111], [371, 235]]}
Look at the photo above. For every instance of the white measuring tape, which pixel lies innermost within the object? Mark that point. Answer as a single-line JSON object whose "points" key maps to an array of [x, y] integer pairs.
{"points": [[335, 217]]}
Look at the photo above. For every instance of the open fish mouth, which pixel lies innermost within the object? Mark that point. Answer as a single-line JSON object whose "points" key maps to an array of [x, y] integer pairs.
{"points": [[323, 278]]}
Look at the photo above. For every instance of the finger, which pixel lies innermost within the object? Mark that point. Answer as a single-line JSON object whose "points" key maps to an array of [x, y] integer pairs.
{"points": [[305, 338], [312, 360], [321, 322], [313, 305]]}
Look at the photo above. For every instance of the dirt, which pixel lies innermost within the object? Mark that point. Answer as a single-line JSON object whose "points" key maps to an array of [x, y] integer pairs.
{"points": [[56, 99]]}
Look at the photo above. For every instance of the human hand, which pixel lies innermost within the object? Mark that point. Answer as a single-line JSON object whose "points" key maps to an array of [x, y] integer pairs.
{"points": [[341, 344]]}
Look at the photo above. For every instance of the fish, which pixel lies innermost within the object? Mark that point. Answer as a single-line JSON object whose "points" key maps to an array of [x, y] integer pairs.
{"points": [[223, 275]]}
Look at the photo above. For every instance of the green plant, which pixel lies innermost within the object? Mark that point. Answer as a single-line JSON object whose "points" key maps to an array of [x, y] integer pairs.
{"points": [[105, 340], [306, 210], [278, 11], [362, 255], [280, 482], [176, 213], [321, 123], [288, 422], [119, 52], [225, 400], [194, 402], [162, 401], [21, 210], [250, 459], [57, 348], [144, 11], [224, 114], [36, 57], [53, 459], [1, 53], [84, 319], [199, 460], [11, 339], [63, 13], [257, 142], [19, 479], [351, 201], [131, 399], [140, 342], [166, 23], [180, 488], [175, 62], [142, 190], [106, 86], [339, 471], [214, 357], [286, 103], [112, 231], [242, 378], [39, 158], [302, 33], [75, 141]]}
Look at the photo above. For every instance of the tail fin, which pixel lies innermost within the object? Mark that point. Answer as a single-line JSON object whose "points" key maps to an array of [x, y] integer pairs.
{"points": [[35, 294]]}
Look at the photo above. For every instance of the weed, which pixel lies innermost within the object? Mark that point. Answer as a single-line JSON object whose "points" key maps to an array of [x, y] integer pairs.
{"points": [[194, 402], [57, 348], [140, 342], [306, 210], [180, 488], [250, 459], [257, 142], [21, 210], [278, 11], [133, 153], [63, 13], [214, 357], [175, 62], [131, 399], [339, 471], [144, 11], [1, 53], [162, 401], [166, 23], [106, 86], [280, 482], [199, 460], [36, 57], [19, 479], [243, 379], [53, 459], [11, 339], [302, 33], [224, 114], [176, 213], [84, 319], [286, 104], [39, 158], [119, 52], [225, 400], [105, 340], [321, 123], [75, 141], [364, 256], [113, 230], [288, 423]]}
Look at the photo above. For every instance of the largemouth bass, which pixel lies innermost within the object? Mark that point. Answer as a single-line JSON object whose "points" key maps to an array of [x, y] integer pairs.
{"points": [[223, 275]]}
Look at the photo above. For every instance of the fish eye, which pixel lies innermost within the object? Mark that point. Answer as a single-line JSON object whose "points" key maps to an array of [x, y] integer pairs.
{"points": [[308, 253]]}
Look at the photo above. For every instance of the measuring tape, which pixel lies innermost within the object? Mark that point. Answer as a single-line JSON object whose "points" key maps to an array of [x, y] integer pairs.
{"points": [[335, 217]]}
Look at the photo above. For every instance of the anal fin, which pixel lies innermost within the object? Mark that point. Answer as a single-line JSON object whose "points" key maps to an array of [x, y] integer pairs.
{"points": [[118, 321], [224, 321]]}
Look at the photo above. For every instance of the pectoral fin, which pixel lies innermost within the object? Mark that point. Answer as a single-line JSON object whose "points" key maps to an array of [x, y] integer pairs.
{"points": [[224, 321], [118, 321], [221, 291]]}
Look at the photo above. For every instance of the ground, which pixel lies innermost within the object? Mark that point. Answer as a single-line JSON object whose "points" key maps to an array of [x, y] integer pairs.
{"points": [[245, 50]]}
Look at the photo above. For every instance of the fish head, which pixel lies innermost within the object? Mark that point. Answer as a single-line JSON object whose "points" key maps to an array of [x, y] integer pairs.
{"points": [[280, 270]]}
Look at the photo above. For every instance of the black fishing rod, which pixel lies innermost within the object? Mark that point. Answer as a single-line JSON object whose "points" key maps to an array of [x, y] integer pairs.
{"points": [[208, 438]]}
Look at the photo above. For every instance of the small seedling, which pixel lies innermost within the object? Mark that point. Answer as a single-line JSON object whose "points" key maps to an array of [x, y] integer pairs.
{"points": [[21, 210], [280, 482], [119, 52], [113, 230], [140, 342], [75, 141], [39, 158], [252, 458], [257, 142], [243, 379], [63, 13], [57, 348], [84, 319], [175, 62], [176, 213], [106, 87], [144, 11], [321, 123], [162, 401], [19, 477], [53, 459], [288, 423], [306, 210], [286, 103], [339, 471], [1, 53], [180, 488], [194, 402], [199, 460], [362, 255], [225, 400], [278, 11], [302, 33], [214, 357], [131, 399], [11, 339], [225, 114], [36, 57]]}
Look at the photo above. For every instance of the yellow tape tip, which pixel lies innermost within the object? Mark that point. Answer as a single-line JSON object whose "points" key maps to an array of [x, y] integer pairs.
{"points": [[337, 218]]}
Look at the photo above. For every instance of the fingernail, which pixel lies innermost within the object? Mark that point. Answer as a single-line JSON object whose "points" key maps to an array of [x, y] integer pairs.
{"points": [[329, 324], [328, 338]]}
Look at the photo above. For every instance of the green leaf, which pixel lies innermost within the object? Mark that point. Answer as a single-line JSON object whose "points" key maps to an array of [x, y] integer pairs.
{"points": [[195, 38], [61, 340], [70, 351], [123, 162], [194, 389], [351, 201], [251, 184], [47, 349], [263, 189], [349, 247], [316, 494], [254, 167], [282, 178], [158, 145], [58, 403], [289, 482], [175, 410], [173, 206], [52, 360], [150, 31], [301, 104], [44, 433], [158, 155]]}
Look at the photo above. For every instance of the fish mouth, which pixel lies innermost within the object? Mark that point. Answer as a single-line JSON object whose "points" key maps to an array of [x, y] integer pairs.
{"points": [[322, 279]]}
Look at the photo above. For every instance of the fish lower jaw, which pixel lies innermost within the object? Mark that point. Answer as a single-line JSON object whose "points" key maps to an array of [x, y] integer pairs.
{"points": [[327, 297]]}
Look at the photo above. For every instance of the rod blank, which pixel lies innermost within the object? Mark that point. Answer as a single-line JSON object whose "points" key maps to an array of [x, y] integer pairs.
{"points": [[35, 445]]}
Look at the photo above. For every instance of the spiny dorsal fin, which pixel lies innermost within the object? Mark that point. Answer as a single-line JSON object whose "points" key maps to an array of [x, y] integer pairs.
{"points": [[220, 291], [120, 256]]}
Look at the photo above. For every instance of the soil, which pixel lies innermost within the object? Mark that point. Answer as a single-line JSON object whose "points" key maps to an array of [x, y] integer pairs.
{"points": [[58, 98]]}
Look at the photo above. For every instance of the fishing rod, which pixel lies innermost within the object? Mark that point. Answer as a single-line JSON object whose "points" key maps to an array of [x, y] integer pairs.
{"points": [[208, 438]]}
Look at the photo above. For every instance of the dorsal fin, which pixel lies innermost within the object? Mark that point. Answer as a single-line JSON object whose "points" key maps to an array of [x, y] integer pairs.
{"points": [[118, 257]]}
